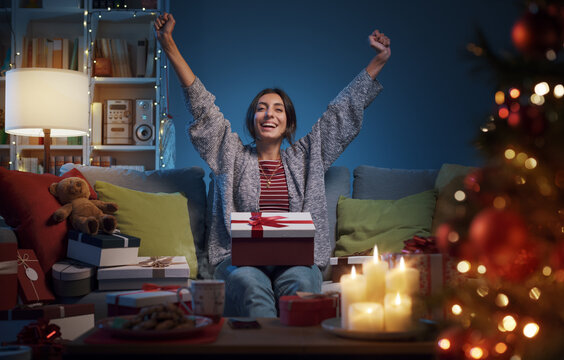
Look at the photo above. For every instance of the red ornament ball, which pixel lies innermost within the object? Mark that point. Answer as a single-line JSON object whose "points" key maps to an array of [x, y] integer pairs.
{"points": [[536, 33], [493, 229]]}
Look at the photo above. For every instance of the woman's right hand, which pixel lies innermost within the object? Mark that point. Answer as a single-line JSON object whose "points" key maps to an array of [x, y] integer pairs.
{"points": [[164, 24]]}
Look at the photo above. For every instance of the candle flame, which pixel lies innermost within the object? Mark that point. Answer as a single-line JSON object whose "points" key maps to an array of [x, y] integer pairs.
{"points": [[376, 256], [402, 264], [398, 298], [353, 272]]}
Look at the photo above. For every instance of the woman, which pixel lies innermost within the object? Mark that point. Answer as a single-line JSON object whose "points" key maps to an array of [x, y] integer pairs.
{"points": [[245, 174]]}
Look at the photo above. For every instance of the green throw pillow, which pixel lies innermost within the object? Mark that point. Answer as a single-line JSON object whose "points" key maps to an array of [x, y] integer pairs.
{"points": [[160, 220], [387, 223]]}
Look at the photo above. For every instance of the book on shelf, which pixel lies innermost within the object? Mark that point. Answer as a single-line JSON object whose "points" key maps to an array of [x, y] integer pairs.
{"points": [[59, 161], [58, 53], [77, 159], [107, 161], [150, 63], [68, 159], [52, 53], [74, 56], [95, 161], [29, 164], [141, 58]]}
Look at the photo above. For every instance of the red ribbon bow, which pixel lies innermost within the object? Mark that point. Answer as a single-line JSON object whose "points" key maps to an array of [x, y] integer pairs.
{"points": [[155, 287], [257, 221]]}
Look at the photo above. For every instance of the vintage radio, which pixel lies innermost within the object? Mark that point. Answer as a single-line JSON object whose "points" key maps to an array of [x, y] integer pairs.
{"points": [[118, 122], [143, 129]]}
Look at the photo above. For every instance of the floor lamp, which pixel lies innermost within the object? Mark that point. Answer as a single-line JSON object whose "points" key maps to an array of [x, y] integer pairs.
{"points": [[47, 103]]}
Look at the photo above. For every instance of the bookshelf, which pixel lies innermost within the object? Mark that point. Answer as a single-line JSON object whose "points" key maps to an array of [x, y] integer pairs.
{"points": [[77, 28]]}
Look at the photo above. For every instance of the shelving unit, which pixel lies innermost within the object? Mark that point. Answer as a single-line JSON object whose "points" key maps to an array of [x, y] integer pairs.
{"points": [[80, 19]]}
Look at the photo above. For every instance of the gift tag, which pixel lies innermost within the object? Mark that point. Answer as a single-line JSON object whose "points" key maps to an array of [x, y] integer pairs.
{"points": [[31, 274]]}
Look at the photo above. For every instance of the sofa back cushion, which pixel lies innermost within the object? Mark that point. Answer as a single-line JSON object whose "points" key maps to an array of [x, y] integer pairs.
{"points": [[187, 181], [377, 183]]}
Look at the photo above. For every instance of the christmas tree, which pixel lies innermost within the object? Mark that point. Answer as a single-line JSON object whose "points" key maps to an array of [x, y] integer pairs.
{"points": [[506, 229]]}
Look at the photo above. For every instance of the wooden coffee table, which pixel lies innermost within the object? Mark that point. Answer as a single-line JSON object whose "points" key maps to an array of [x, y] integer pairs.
{"points": [[273, 340]]}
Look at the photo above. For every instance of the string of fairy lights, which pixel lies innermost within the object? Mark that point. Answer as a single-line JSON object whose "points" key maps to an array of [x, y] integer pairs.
{"points": [[91, 18]]}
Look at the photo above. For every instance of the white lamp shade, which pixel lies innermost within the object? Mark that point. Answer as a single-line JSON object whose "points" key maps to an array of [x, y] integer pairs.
{"points": [[43, 98]]}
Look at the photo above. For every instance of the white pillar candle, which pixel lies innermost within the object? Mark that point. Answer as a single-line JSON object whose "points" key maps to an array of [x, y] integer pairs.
{"points": [[375, 272], [397, 312], [402, 279], [366, 316], [353, 289]]}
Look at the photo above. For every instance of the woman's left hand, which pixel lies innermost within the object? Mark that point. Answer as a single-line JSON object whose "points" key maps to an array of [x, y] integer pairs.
{"points": [[381, 43]]}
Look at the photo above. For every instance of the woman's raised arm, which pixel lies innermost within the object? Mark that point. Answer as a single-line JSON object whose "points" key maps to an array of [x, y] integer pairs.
{"points": [[164, 24]]}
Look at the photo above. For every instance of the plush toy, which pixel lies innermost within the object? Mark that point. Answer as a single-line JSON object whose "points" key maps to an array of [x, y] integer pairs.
{"points": [[85, 215]]}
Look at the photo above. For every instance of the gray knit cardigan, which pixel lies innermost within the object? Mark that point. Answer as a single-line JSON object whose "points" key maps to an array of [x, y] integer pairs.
{"points": [[235, 165]]}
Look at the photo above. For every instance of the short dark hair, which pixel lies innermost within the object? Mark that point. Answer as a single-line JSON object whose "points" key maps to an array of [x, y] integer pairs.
{"points": [[288, 108]]}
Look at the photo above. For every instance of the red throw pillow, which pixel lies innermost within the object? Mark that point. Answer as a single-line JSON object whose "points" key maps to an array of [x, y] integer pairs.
{"points": [[27, 205]]}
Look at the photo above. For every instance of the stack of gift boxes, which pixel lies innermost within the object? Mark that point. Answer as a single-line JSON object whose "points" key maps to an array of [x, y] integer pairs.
{"points": [[101, 261]]}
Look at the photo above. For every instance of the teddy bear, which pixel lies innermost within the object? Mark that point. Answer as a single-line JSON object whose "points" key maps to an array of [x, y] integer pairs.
{"points": [[87, 216]]}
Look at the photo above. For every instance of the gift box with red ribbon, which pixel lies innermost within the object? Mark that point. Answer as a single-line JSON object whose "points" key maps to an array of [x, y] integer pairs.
{"points": [[131, 302], [435, 270], [259, 239], [72, 319], [8, 269], [309, 310], [31, 279], [162, 270]]}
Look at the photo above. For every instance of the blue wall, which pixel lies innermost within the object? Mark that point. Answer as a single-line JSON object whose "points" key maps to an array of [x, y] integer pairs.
{"points": [[432, 103]]}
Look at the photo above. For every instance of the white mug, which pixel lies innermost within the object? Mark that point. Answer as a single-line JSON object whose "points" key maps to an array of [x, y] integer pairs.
{"points": [[208, 298]]}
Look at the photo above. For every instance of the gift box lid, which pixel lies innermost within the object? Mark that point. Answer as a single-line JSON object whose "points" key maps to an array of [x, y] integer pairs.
{"points": [[308, 303], [349, 260], [105, 241], [47, 312], [148, 268], [141, 298], [69, 270], [272, 225]]}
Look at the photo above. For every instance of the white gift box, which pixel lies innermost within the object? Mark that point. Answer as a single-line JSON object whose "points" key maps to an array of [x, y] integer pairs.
{"points": [[145, 270], [131, 302], [282, 238], [103, 249]]}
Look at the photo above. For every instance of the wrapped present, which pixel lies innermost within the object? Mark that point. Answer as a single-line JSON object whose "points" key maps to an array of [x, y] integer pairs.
{"points": [[131, 302], [272, 239], [343, 265], [8, 269], [309, 310], [73, 278], [72, 319], [435, 270], [103, 249], [164, 270], [32, 284]]}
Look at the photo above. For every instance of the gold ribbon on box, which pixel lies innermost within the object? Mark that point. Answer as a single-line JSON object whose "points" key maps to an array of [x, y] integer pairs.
{"points": [[29, 271], [159, 263]]}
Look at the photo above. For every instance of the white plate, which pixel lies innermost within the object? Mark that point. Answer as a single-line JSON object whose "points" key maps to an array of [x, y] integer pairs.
{"points": [[333, 325], [110, 327]]}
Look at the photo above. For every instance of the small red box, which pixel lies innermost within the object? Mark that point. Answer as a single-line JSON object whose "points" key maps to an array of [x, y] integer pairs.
{"points": [[305, 311], [31, 279], [259, 239]]}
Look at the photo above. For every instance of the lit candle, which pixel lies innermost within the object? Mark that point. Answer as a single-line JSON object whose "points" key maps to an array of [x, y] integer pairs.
{"points": [[375, 273], [397, 312], [402, 279], [353, 289], [366, 316]]}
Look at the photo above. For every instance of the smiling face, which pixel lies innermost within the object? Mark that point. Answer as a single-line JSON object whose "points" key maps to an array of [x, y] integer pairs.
{"points": [[270, 118]]}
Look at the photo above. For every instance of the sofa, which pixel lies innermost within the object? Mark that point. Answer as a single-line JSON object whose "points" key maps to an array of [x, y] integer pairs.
{"points": [[370, 187]]}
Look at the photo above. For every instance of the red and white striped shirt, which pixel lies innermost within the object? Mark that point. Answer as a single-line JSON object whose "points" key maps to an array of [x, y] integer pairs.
{"points": [[273, 187]]}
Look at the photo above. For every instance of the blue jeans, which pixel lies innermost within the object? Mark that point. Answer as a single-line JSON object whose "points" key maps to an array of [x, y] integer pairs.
{"points": [[254, 291]]}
